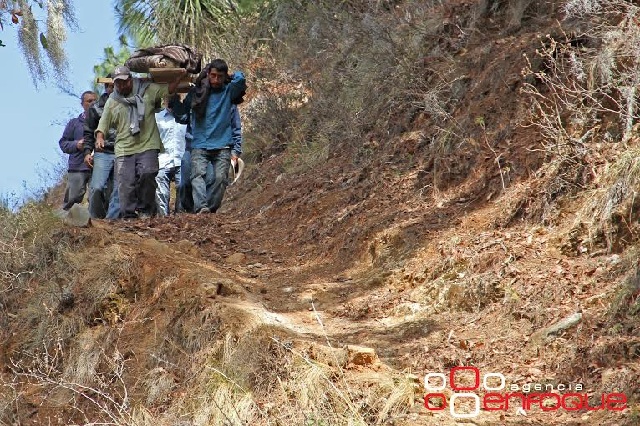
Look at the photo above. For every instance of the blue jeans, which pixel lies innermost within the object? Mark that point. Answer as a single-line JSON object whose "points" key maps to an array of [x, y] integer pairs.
{"points": [[163, 193], [103, 193], [114, 204], [209, 195], [185, 191]]}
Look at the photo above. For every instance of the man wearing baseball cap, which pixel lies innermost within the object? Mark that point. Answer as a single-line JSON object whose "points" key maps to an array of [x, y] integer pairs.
{"points": [[130, 110]]}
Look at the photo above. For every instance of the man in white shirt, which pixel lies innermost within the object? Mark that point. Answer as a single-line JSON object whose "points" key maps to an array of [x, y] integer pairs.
{"points": [[172, 135]]}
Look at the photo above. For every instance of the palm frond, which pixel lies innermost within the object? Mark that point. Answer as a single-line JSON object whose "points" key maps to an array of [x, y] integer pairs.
{"points": [[198, 23]]}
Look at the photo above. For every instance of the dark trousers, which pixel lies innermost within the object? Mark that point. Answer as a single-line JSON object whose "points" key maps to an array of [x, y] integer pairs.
{"points": [[136, 179], [76, 188]]}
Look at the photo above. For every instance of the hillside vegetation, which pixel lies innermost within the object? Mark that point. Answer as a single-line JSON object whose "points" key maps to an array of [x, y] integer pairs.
{"points": [[430, 185]]}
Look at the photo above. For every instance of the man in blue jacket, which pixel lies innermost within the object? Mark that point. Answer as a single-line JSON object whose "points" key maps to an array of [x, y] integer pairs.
{"points": [[210, 104], [72, 143], [185, 191]]}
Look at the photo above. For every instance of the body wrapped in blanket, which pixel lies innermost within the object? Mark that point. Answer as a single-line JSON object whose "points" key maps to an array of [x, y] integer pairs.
{"points": [[166, 56]]}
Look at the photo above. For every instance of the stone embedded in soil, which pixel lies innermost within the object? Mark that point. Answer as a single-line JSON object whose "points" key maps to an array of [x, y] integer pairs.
{"points": [[360, 355], [334, 357], [550, 333], [78, 216], [236, 259], [187, 247]]}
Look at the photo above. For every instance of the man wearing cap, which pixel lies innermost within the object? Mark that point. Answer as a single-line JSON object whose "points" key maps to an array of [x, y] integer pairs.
{"points": [[130, 110], [103, 193]]}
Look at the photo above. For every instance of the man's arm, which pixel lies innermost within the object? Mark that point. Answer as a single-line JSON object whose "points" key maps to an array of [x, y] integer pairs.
{"points": [[104, 124], [237, 85], [182, 109], [66, 142], [173, 86], [90, 126]]}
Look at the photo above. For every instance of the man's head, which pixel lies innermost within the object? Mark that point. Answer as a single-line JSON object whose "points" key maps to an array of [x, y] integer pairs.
{"points": [[122, 80], [108, 87], [218, 73], [87, 99], [170, 101]]}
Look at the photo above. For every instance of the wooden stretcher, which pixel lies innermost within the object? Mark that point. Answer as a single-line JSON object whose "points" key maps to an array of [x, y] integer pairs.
{"points": [[161, 76]]}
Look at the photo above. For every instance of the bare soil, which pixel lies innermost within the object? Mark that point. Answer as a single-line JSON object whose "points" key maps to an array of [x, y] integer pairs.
{"points": [[434, 261]]}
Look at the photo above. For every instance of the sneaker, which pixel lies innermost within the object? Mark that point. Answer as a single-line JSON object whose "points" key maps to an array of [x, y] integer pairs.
{"points": [[204, 210]]}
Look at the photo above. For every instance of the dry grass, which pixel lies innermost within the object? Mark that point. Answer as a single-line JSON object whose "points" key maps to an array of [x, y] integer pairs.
{"points": [[583, 100], [28, 242], [8, 395], [625, 307], [158, 384], [609, 214], [337, 75], [280, 385], [251, 374]]}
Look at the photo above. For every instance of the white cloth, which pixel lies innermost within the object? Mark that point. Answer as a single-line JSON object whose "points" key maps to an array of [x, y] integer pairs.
{"points": [[172, 135]]}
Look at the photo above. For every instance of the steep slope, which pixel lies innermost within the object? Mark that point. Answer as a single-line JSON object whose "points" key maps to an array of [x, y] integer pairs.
{"points": [[337, 276]]}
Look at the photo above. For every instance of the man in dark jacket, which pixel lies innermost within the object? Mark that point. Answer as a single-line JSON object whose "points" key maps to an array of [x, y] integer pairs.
{"points": [[103, 192], [72, 143]]}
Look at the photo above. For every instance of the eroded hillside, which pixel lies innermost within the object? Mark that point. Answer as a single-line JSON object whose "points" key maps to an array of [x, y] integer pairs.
{"points": [[403, 215]]}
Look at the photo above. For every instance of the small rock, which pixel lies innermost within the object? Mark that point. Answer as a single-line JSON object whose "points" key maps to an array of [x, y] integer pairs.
{"points": [[187, 247], [78, 216], [236, 259], [615, 259], [550, 333], [151, 245], [67, 300], [360, 355], [334, 357]]}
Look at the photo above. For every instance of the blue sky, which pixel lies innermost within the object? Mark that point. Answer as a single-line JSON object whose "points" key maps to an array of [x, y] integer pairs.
{"points": [[32, 120]]}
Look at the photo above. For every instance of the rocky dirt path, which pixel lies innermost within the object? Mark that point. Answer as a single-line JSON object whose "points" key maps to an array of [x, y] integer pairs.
{"points": [[386, 307]]}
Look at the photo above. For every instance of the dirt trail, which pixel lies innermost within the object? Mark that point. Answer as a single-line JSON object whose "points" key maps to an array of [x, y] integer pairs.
{"points": [[424, 300]]}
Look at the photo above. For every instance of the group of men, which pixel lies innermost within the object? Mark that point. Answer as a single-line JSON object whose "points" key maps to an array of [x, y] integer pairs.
{"points": [[128, 153]]}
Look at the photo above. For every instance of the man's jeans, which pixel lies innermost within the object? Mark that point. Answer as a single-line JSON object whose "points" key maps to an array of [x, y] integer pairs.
{"points": [[185, 195], [163, 197], [103, 194], [209, 195], [136, 177], [76, 188]]}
